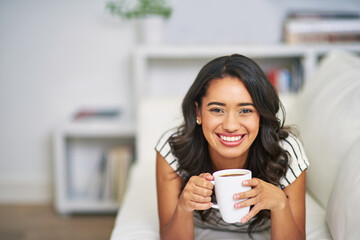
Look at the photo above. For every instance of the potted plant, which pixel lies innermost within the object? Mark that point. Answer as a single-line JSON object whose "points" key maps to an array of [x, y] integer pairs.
{"points": [[143, 9], [150, 13]]}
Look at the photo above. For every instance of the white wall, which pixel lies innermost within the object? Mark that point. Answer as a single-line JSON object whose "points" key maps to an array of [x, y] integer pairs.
{"points": [[57, 56]]}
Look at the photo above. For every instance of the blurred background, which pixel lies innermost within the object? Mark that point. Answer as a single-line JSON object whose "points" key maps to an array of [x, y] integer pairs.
{"points": [[62, 58]]}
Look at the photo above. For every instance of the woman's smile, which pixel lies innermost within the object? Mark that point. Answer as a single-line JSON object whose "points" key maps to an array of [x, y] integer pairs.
{"points": [[231, 140]]}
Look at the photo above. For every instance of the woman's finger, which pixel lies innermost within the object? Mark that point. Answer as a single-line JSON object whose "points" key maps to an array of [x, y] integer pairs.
{"points": [[251, 193], [255, 210], [200, 199], [201, 206], [207, 176], [203, 183], [246, 203], [253, 182], [202, 191]]}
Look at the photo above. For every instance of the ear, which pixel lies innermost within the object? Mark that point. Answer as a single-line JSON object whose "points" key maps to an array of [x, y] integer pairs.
{"points": [[198, 113]]}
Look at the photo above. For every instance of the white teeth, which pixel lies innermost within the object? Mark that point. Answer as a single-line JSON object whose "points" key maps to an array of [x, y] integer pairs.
{"points": [[230, 139]]}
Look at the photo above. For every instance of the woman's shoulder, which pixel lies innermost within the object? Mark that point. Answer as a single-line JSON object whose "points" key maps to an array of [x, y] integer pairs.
{"points": [[164, 148], [297, 158], [164, 139], [294, 147], [293, 143]]}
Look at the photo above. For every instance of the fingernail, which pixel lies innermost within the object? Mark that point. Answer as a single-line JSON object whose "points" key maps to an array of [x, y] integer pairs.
{"points": [[245, 182], [236, 196], [243, 220]]}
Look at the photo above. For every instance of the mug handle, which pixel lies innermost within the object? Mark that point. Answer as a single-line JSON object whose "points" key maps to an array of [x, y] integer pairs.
{"points": [[216, 206]]}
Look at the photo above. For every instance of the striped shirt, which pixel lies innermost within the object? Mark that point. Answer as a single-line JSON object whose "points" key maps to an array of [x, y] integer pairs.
{"points": [[297, 163]]}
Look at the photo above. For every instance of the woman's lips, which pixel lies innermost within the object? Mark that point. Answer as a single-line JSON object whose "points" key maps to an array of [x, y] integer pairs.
{"points": [[231, 140]]}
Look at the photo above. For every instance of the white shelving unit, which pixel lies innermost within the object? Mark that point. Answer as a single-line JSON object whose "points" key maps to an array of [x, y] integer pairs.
{"points": [[149, 61], [165, 71], [102, 134]]}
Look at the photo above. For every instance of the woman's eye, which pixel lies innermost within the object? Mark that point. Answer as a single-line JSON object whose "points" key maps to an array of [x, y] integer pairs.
{"points": [[246, 111], [216, 110]]}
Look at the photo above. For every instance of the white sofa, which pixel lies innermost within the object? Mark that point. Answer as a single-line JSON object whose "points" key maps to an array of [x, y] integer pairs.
{"points": [[328, 115]]}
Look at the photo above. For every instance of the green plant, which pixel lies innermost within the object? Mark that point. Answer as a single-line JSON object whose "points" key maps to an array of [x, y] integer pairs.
{"points": [[142, 9]]}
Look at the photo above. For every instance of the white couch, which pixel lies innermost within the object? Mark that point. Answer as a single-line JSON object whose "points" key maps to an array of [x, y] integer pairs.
{"points": [[328, 115]]}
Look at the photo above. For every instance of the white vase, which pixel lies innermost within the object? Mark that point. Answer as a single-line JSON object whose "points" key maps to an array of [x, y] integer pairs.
{"points": [[152, 30]]}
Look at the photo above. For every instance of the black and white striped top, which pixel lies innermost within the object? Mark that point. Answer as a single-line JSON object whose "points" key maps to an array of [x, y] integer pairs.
{"points": [[298, 162]]}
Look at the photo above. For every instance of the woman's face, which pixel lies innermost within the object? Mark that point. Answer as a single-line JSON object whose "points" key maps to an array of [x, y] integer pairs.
{"points": [[229, 121]]}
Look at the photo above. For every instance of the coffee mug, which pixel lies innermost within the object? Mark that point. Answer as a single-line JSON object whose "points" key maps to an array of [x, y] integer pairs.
{"points": [[227, 183]]}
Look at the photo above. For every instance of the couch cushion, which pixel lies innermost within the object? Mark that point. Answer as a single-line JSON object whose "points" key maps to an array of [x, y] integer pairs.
{"points": [[327, 113], [343, 210], [155, 115]]}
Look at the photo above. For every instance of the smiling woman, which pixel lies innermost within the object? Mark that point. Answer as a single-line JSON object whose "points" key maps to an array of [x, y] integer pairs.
{"points": [[230, 122]]}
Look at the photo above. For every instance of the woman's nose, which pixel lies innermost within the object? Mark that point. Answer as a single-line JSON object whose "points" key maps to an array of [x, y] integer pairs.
{"points": [[231, 123]]}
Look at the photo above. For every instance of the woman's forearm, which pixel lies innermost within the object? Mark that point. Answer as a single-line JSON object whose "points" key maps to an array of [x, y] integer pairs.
{"points": [[181, 226], [283, 225]]}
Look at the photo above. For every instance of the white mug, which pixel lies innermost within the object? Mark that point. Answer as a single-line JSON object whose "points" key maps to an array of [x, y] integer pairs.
{"points": [[227, 183]]}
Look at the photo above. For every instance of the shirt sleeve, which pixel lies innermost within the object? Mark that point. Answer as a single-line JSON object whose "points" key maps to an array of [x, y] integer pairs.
{"points": [[164, 148], [298, 161]]}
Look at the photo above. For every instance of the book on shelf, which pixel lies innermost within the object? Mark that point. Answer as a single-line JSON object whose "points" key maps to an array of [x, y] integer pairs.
{"points": [[83, 160], [87, 114], [285, 79], [322, 26], [109, 181], [119, 160]]}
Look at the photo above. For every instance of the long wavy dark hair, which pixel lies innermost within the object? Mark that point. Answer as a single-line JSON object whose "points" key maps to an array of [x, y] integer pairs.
{"points": [[266, 159]]}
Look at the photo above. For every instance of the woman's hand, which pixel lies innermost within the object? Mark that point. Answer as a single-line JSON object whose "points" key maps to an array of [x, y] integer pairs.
{"points": [[263, 195], [196, 194]]}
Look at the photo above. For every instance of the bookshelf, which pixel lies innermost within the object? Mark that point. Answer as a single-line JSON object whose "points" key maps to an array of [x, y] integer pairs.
{"points": [[78, 149], [170, 70], [322, 27]]}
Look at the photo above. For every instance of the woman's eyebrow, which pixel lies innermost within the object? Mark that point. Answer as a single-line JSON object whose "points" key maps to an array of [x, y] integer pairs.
{"points": [[245, 104], [223, 104], [216, 103]]}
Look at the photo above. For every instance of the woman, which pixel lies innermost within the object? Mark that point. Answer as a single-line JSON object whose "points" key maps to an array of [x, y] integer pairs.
{"points": [[230, 122]]}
